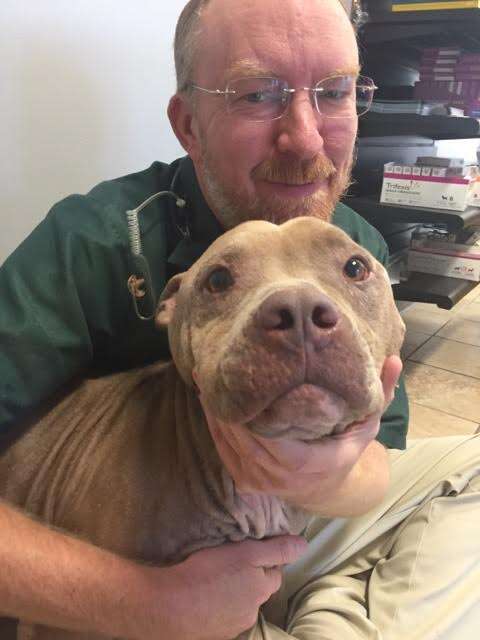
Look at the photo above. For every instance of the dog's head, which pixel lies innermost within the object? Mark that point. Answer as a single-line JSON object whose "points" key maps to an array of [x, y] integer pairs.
{"points": [[285, 328]]}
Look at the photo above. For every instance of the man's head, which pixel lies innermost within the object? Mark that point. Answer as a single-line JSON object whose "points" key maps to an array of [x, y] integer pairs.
{"points": [[298, 164]]}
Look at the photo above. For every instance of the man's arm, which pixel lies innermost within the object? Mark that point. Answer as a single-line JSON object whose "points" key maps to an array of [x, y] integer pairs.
{"points": [[50, 578], [49, 289], [53, 579], [65, 306]]}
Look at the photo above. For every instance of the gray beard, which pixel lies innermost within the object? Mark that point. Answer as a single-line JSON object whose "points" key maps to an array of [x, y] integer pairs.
{"points": [[231, 211]]}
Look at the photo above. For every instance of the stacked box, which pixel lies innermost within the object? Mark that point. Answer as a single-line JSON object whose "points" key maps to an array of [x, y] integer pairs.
{"points": [[442, 265], [437, 253], [430, 186], [447, 74]]}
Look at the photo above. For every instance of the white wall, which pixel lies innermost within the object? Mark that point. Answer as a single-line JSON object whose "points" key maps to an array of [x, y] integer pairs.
{"points": [[84, 87]]}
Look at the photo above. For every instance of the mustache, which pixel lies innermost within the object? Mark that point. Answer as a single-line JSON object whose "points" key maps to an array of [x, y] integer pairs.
{"points": [[295, 172]]}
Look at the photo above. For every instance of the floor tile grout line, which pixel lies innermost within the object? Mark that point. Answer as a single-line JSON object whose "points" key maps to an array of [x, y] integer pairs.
{"points": [[457, 373], [417, 348], [469, 344], [452, 317], [445, 413], [433, 366], [457, 341]]}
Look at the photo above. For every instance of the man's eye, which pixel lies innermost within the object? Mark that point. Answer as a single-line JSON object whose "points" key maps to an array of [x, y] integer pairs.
{"points": [[334, 94], [219, 280], [257, 97], [356, 269]]}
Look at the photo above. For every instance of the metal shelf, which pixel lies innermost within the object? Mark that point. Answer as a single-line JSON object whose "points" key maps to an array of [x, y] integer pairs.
{"points": [[432, 126], [398, 39], [424, 28], [377, 213], [447, 15], [420, 287], [439, 290]]}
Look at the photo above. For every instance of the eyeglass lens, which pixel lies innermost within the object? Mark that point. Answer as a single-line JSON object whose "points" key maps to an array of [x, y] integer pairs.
{"points": [[261, 99]]}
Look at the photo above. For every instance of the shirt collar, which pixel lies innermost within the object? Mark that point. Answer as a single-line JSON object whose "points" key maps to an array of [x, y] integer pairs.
{"points": [[203, 226]]}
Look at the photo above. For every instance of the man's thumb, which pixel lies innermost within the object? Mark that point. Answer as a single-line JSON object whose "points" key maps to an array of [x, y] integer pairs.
{"points": [[277, 551]]}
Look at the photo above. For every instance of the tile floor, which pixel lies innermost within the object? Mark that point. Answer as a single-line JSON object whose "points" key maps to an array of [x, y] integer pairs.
{"points": [[441, 357]]}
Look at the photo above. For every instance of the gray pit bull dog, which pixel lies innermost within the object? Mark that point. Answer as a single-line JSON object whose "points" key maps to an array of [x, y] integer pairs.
{"points": [[286, 328]]}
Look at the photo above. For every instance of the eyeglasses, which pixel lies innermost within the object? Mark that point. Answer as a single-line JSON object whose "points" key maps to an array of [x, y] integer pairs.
{"points": [[264, 99]]}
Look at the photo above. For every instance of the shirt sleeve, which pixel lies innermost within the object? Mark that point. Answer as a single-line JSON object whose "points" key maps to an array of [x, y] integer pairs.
{"points": [[331, 607], [61, 301]]}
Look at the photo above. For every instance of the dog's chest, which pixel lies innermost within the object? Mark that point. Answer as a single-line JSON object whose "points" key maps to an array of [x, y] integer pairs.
{"points": [[213, 514]]}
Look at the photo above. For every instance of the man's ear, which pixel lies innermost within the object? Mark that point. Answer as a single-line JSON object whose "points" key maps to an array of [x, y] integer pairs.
{"points": [[168, 302], [182, 119]]}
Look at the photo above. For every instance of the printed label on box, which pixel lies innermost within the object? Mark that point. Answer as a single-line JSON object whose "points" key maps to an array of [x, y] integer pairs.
{"points": [[452, 267], [428, 189]]}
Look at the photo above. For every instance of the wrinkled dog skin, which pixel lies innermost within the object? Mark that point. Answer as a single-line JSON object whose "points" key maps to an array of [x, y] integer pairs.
{"points": [[286, 329]]}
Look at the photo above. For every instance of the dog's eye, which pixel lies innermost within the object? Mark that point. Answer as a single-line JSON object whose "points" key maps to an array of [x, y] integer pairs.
{"points": [[219, 280], [356, 269]]}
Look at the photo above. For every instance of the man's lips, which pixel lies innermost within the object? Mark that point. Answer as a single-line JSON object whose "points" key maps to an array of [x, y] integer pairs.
{"points": [[295, 190]]}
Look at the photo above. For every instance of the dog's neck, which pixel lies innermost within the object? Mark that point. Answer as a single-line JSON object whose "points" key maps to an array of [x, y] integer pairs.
{"points": [[242, 515]]}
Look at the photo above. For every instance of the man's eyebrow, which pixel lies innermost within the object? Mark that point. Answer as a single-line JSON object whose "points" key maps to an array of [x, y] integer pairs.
{"points": [[245, 68], [251, 68], [345, 71]]}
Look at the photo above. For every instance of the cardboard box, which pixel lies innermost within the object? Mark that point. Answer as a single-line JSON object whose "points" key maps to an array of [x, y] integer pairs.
{"points": [[454, 249], [417, 186], [442, 265]]}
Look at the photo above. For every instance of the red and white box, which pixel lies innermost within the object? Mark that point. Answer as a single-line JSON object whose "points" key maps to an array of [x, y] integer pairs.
{"points": [[442, 265], [419, 186], [429, 253]]}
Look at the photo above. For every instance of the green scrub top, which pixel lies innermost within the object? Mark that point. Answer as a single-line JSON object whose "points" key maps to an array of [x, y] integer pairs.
{"points": [[65, 306]]}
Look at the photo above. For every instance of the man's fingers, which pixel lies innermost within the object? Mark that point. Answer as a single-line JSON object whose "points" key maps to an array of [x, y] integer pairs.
{"points": [[391, 371], [274, 580], [274, 552]]}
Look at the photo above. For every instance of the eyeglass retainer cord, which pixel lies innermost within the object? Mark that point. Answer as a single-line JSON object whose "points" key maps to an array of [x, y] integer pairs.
{"points": [[138, 287]]}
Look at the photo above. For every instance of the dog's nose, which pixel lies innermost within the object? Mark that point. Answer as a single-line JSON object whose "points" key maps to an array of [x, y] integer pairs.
{"points": [[299, 314]]}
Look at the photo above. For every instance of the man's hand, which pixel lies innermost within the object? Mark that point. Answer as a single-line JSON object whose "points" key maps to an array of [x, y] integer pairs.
{"points": [[216, 593], [312, 474], [50, 578]]}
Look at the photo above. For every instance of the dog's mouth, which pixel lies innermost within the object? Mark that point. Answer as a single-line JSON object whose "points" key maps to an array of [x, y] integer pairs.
{"points": [[304, 412]]}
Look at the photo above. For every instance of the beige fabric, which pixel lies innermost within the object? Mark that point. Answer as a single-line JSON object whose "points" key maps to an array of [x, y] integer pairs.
{"points": [[410, 569]]}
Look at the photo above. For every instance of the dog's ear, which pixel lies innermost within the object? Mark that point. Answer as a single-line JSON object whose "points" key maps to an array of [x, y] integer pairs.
{"points": [[167, 303]]}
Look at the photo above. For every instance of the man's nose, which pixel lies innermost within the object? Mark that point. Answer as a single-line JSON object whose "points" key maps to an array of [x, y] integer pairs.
{"points": [[300, 129], [298, 316]]}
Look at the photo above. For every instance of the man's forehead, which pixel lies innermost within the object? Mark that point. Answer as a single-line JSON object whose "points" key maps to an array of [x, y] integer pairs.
{"points": [[227, 4], [269, 13], [248, 37]]}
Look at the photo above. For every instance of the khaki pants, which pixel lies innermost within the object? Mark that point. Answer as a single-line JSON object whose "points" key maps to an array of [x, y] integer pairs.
{"points": [[409, 569]]}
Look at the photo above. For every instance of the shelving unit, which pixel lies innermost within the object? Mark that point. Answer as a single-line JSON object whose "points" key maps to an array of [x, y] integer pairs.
{"points": [[391, 46], [370, 208]]}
